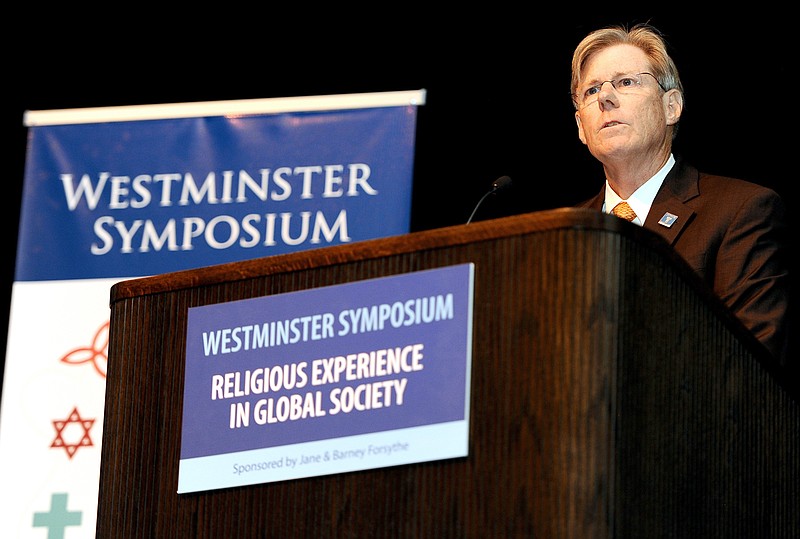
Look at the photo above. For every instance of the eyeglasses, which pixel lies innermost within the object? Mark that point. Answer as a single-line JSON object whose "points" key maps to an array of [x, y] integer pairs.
{"points": [[624, 84]]}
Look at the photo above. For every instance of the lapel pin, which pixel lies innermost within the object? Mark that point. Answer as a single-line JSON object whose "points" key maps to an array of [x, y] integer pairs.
{"points": [[668, 220]]}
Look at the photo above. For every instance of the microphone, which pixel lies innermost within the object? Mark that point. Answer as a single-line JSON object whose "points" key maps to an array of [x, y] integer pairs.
{"points": [[499, 184]]}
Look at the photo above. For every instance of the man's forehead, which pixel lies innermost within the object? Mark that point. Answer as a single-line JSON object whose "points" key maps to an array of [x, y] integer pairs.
{"points": [[614, 60]]}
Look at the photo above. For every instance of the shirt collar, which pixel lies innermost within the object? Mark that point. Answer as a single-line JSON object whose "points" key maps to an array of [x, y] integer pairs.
{"points": [[642, 199]]}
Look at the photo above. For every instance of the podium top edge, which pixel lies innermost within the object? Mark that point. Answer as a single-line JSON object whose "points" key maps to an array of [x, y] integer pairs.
{"points": [[487, 230]]}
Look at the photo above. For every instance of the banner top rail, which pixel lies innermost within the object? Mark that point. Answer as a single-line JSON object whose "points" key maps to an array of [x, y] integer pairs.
{"points": [[241, 107]]}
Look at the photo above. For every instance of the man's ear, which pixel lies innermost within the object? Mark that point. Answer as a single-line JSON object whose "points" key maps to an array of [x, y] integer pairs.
{"points": [[673, 106], [580, 127]]}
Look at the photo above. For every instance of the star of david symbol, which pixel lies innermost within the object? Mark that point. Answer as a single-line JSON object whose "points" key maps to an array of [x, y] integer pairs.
{"points": [[72, 433]]}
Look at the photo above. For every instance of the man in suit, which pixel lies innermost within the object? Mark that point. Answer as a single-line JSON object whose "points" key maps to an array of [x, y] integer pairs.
{"points": [[628, 101]]}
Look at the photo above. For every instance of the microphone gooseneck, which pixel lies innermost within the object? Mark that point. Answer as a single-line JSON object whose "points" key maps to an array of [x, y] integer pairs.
{"points": [[499, 184]]}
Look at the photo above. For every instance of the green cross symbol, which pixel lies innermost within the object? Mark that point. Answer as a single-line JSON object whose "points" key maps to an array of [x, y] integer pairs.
{"points": [[58, 518]]}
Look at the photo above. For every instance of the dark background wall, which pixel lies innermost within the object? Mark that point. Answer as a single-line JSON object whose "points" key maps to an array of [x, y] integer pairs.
{"points": [[497, 84]]}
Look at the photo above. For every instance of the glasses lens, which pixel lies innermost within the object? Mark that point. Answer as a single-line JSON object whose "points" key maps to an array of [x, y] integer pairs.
{"points": [[623, 84], [626, 83]]}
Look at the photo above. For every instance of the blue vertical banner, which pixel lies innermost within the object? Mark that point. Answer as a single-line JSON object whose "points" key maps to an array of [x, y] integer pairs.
{"points": [[124, 192]]}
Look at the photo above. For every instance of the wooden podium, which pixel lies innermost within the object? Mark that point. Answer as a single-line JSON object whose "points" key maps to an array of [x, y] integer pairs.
{"points": [[611, 396]]}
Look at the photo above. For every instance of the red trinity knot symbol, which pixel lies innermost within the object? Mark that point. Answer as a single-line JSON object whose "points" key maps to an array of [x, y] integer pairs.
{"points": [[96, 353]]}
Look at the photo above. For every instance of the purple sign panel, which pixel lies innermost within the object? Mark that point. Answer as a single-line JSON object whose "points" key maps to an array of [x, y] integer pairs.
{"points": [[349, 360]]}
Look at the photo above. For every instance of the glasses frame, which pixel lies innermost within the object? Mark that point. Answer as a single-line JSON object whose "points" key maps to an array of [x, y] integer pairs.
{"points": [[614, 82]]}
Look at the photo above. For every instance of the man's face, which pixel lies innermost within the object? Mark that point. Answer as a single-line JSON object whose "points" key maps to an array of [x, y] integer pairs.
{"points": [[626, 122]]}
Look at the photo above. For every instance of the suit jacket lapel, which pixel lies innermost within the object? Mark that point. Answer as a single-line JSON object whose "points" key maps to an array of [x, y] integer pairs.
{"points": [[669, 213]]}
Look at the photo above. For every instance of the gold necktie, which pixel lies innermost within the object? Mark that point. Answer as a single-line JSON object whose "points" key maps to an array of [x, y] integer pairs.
{"points": [[624, 211]]}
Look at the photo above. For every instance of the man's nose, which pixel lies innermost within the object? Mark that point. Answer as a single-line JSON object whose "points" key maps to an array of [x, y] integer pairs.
{"points": [[607, 95]]}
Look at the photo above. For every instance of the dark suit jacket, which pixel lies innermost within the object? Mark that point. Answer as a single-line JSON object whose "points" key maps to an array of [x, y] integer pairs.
{"points": [[734, 234]]}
